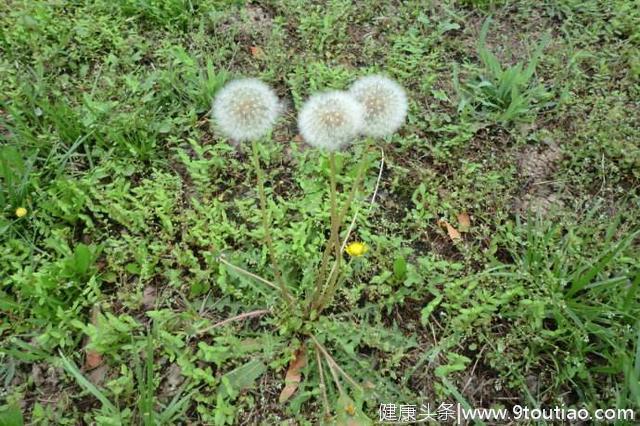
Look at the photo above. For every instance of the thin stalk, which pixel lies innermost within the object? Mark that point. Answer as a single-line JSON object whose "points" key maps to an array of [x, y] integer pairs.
{"points": [[334, 208], [322, 275], [334, 218], [354, 190], [250, 274], [323, 387], [375, 190], [332, 362], [246, 315], [336, 379], [266, 225], [331, 288]]}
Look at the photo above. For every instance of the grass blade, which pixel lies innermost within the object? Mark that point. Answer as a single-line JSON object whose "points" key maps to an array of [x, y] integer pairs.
{"points": [[87, 385]]}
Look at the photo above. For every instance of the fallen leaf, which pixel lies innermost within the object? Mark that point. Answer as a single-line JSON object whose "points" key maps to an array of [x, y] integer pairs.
{"points": [[257, 52], [293, 376], [92, 358], [464, 221], [453, 232]]}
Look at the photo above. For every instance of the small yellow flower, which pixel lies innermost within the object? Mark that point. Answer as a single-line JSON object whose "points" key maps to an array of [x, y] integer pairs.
{"points": [[356, 249], [21, 212], [350, 409]]}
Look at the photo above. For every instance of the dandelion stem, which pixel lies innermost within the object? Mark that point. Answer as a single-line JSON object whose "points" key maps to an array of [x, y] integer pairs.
{"points": [[335, 219], [331, 289], [336, 223], [324, 292], [333, 238], [322, 279], [266, 225]]}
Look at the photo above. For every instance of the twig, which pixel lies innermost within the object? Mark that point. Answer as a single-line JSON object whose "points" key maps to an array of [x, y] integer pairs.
{"points": [[251, 314]]}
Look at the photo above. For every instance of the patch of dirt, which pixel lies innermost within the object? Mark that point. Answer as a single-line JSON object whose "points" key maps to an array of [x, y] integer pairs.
{"points": [[149, 297], [45, 376], [510, 39], [173, 380], [540, 204], [259, 17], [267, 409], [47, 381], [4, 118], [253, 18], [537, 165]]}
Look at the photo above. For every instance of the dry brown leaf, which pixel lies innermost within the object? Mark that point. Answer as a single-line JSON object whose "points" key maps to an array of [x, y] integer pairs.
{"points": [[453, 232], [257, 52], [293, 376], [464, 221], [92, 360]]}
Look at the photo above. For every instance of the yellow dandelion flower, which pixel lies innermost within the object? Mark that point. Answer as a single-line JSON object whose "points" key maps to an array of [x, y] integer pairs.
{"points": [[356, 249], [350, 409], [21, 212]]}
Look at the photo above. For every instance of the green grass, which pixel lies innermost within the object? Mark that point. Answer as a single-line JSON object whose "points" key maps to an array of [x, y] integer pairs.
{"points": [[132, 197]]}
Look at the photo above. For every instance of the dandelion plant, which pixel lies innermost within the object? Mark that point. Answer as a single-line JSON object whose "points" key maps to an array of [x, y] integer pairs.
{"points": [[330, 121], [246, 110], [374, 107], [377, 107]]}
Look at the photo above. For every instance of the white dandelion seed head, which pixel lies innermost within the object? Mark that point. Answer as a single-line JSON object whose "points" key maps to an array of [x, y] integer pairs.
{"points": [[385, 104], [330, 120], [245, 109]]}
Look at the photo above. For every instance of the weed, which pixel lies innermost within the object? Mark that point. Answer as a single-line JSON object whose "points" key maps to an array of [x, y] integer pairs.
{"points": [[502, 94]]}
